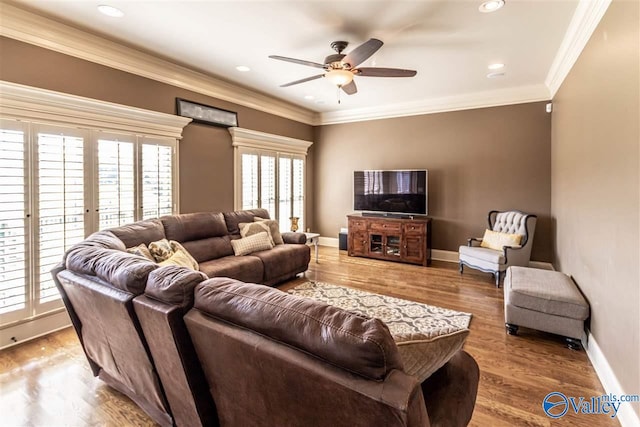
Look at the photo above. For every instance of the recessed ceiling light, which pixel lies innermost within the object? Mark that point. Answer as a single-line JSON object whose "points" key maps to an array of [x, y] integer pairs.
{"points": [[110, 11], [494, 75], [491, 6], [309, 97], [243, 68], [495, 66]]}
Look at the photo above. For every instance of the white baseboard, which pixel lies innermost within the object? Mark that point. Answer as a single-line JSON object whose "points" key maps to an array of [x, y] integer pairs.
{"points": [[27, 331], [436, 254], [332, 242], [626, 415]]}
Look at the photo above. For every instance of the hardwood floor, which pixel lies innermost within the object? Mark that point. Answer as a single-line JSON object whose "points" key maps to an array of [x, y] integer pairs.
{"points": [[48, 382]]}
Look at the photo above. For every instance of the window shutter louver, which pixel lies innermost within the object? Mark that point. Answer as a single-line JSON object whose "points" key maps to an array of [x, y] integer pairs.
{"points": [[13, 223], [249, 171], [60, 201], [157, 180], [116, 185]]}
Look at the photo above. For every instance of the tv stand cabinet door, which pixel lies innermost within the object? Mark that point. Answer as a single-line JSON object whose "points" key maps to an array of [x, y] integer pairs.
{"points": [[358, 243]]}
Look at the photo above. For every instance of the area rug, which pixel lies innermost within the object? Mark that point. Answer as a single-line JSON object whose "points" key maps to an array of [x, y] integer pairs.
{"points": [[426, 336], [401, 316]]}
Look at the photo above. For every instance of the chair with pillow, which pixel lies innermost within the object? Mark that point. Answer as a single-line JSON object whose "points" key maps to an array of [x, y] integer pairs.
{"points": [[507, 242]]}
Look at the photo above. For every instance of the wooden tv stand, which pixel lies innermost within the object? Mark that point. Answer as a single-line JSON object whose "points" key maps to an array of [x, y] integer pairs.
{"points": [[390, 238]]}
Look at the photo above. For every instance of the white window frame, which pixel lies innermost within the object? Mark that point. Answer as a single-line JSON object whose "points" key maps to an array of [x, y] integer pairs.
{"points": [[31, 109], [254, 142]]}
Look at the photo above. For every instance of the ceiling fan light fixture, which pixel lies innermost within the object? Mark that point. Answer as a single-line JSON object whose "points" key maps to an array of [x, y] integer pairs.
{"points": [[339, 77], [496, 66], [491, 6]]}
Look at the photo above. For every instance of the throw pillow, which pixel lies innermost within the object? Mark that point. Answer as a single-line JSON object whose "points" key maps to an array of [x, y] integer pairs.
{"points": [[161, 250], [164, 249], [496, 240], [250, 228], [141, 250], [250, 244], [274, 227], [180, 258]]}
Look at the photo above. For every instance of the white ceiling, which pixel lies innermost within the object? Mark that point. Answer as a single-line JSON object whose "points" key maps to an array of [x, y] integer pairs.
{"points": [[450, 43]]}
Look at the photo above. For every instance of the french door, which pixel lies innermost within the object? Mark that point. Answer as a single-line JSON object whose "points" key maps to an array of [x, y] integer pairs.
{"points": [[59, 184]]}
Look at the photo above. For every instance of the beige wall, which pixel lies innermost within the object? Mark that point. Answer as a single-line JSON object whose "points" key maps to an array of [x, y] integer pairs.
{"points": [[595, 186], [478, 160], [206, 154]]}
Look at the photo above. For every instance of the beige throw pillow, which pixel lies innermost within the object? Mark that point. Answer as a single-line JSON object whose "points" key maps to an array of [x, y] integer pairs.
{"points": [[250, 228], [164, 250], [496, 240], [250, 244], [274, 228], [181, 258]]}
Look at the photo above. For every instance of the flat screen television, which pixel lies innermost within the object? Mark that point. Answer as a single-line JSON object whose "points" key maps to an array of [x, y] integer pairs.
{"points": [[391, 191]]}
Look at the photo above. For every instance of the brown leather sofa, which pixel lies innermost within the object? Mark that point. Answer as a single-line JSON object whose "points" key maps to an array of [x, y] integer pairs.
{"points": [[274, 359], [98, 281]]}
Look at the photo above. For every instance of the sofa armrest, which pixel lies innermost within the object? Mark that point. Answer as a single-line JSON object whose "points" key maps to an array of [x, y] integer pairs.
{"points": [[473, 240], [450, 393], [291, 237]]}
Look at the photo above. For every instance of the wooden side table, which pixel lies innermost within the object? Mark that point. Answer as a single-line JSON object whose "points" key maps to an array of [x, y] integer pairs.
{"points": [[312, 238]]}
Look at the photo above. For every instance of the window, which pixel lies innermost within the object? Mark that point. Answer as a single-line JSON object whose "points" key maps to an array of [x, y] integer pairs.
{"points": [[270, 174], [61, 179]]}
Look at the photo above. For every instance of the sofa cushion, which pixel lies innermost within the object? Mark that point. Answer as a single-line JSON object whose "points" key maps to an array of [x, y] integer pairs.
{"points": [[147, 231], [173, 285], [101, 239], [283, 259], [245, 268], [181, 258], [232, 219], [485, 254], [274, 228], [359, 344], [208, 249], [194, 226], [254, 243], [122, 270]]}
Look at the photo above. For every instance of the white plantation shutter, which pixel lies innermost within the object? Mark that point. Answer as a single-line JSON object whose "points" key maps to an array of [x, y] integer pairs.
{"points": [[157, 179], [116, 184], [249, 174], [297, 196], [60, 206], [284, 195], [14, 237], [268, 183]]}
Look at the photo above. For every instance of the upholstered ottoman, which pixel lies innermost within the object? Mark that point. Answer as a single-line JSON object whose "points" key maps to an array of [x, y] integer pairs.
{"points": [[544, 300]]}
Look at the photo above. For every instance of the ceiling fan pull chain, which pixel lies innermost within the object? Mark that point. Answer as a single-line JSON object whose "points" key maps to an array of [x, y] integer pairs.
{"points": [[339, 87]]}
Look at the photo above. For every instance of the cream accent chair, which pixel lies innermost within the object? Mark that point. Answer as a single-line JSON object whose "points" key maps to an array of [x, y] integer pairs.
{"points": [[496, 262]]}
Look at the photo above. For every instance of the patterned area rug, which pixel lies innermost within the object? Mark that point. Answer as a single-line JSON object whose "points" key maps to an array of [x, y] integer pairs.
{"points": [[404, 318]]}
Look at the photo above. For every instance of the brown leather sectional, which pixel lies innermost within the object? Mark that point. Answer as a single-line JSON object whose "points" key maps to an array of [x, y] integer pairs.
{"points": [[192, 350]]}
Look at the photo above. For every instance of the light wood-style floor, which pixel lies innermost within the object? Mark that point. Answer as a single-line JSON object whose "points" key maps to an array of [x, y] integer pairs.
{"points": [[48, 382]]}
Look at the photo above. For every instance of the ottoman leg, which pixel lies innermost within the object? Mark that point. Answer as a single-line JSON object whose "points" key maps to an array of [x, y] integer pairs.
{"points": [[573, 343], [460, 267], [497, 276], [511, 329]]}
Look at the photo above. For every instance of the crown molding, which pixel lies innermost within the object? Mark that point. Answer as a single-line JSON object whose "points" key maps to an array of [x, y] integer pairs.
{"points": [[31, 28], [584, 22], [494, 98], [25, 102], [266, 141]]}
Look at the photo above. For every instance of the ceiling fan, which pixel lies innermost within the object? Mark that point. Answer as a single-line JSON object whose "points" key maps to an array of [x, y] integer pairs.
{"points": [[340, 68]]}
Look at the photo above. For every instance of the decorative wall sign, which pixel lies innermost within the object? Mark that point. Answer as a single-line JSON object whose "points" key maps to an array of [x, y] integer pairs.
{"points": [[205, 114]]}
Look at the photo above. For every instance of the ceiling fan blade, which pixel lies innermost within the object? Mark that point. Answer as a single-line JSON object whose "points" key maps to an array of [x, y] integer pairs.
{"points": [[302, 80], [360, 54], [350, 88], [385, 72], [297, 61]]}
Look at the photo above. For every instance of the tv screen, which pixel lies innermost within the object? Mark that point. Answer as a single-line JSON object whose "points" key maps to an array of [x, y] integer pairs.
{"points": [[393, 191]]}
